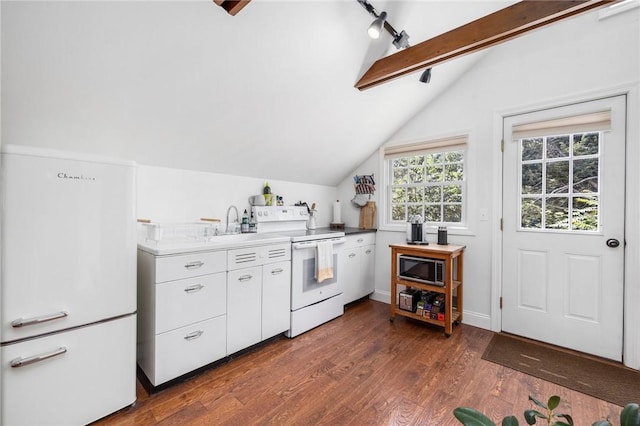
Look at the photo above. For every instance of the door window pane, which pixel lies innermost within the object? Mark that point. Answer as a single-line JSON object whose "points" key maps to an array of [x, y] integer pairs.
{"points": [[585, 213], [532, 149], [558, 146], [531, 216], [586, 144], [585, 175], [564, 171], [557, 177], [532, 178], [557, 213]]}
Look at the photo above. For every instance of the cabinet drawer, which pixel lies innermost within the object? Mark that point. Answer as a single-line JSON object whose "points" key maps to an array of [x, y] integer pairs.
{"points": [[169, 268], [358, 240], [188, 348], [254, 256], [183, 302]]}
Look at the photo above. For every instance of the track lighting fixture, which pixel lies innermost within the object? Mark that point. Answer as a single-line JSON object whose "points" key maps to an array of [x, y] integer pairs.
{"points": [[400, 40], [426, 76], [376, 26]]}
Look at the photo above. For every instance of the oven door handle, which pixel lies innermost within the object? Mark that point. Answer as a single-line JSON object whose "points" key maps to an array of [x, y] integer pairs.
{"points": [[313, 244]]}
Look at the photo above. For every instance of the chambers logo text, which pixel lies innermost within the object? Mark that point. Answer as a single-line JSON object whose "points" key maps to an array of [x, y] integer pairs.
{"points": [[63, 175]]}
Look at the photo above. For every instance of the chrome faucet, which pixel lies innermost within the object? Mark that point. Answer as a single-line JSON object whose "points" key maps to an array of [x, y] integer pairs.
{"points": [[234, 228]]}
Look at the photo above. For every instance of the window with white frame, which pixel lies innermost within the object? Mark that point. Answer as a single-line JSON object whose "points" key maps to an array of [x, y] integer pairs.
{"points": [[428, 180]]}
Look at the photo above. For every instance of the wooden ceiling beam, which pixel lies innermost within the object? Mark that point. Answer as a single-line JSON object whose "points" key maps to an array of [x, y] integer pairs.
{"points": [[497, 27], [232, 6]]}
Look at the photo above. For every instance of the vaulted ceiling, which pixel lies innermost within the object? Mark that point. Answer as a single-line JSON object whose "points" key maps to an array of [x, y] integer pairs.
{"points": [[266, 93]]}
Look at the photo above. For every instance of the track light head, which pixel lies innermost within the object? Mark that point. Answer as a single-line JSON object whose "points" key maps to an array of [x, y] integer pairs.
{"points": [[400, 40], [376, 26], [426, 76]]}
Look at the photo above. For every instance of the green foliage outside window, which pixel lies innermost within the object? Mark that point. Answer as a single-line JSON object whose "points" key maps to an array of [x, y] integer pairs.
{"points": [[560, 182], [430, 185]]}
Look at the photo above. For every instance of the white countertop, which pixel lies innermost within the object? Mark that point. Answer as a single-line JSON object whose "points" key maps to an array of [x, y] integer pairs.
{"points": [[221, 242]]}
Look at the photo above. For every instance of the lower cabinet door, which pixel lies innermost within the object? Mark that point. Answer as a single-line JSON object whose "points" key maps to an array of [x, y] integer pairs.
{"points": [[244, 308], [351, 274], [367, 268], [276, 299], [188, 348], [70, 378]]}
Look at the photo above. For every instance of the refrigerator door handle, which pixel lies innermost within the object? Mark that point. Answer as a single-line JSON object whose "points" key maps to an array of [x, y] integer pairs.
{"points": [[21, 322], [21, 362]]}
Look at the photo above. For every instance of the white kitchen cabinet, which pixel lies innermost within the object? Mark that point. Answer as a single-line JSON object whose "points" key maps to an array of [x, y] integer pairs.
{"points": [[276, 299], [182, 320], [197, 307], [244, 292], [358, 255], [259, 294]]}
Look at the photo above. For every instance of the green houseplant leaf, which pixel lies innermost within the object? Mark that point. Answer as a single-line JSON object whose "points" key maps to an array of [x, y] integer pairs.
{"points": [[510, 421], [553, 402], [531, 415], [630, 415], [539, 403], [471, 417], [567, 417]]}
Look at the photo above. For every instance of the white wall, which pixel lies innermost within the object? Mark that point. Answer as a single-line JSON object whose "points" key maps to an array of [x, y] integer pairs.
{"points": [[571, 60], [178, 195]]}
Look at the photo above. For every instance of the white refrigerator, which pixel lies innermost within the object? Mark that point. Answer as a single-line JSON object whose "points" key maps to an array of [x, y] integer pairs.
{"points": [[67, 287]]}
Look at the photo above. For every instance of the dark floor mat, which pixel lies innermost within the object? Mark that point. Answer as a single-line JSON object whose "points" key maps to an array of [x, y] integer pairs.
{"points": [[604, 380]]}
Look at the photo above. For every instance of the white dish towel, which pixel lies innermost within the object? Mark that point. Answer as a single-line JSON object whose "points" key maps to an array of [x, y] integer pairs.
{"points": [[324, 261]]}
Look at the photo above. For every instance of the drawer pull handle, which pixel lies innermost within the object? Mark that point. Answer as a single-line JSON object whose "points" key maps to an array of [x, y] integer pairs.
{"points": [[192, 336], [21, 322], [360, 240], [245, 278], [368, 251], [21, 362], [352, 255], [277, 271], [193, 288], [194, 265]]}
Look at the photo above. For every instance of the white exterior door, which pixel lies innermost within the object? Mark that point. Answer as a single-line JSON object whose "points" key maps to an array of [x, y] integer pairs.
{"points": [[563, 226]]}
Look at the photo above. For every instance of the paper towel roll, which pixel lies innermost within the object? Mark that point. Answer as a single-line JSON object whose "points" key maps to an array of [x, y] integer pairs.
{"points": [[336, 212]]}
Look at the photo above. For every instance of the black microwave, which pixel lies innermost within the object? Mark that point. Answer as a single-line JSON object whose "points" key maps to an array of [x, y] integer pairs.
{"points": [[421, 269]]}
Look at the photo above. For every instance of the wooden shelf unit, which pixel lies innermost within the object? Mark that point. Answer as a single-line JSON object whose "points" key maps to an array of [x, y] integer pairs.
{"points": [[448, 253]]}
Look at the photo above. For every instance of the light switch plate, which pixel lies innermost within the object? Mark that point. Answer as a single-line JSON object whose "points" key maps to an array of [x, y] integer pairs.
{"points": [[484, 214]]}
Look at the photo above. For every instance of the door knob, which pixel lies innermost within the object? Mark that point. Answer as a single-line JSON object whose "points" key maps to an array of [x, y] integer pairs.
{"points": [[612, 242]]}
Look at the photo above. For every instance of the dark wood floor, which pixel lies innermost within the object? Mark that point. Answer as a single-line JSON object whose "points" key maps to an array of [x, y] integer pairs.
{"points": [[359, 369]]}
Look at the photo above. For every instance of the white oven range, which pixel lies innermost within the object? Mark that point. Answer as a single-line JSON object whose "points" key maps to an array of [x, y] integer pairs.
{"points": [[312, 302]]}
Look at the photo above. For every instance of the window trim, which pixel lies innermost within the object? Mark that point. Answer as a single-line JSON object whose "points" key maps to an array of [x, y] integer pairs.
{"points": [[436, 144]]}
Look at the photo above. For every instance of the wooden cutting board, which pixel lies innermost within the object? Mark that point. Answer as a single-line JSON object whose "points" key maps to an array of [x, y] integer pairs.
{"points": [[368, 215]]}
